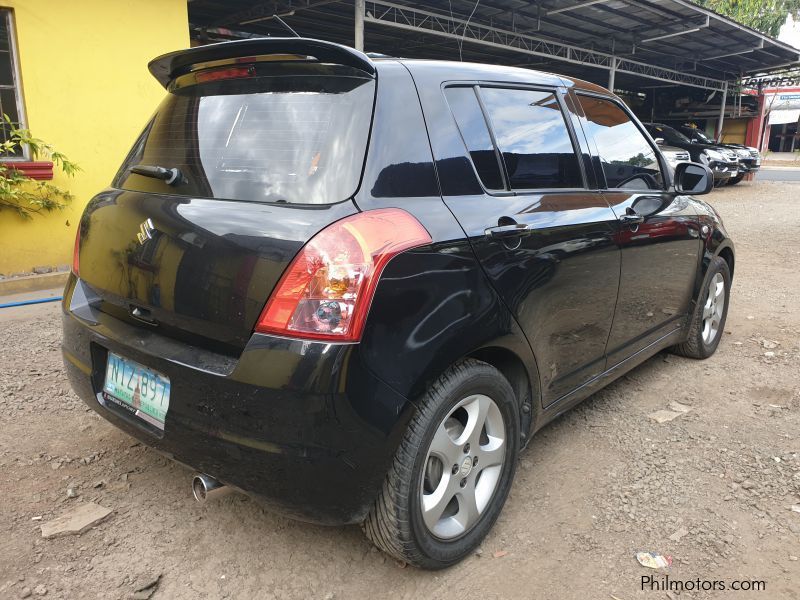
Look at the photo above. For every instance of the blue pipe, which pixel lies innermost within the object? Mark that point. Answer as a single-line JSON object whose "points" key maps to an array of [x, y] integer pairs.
{"points": [[27, 302]]}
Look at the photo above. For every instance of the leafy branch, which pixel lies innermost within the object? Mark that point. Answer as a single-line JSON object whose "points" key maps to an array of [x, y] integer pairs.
{"points": [[22, 194], [767, 16]]}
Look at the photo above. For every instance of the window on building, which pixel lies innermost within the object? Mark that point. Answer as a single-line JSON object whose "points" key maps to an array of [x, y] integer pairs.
{"points": [[469, 117], [533, 138], [10, 104], [627, 158]]}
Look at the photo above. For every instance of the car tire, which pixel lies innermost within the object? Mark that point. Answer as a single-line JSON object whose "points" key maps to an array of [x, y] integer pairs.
{"points": [[735, 180], [708, 319], [403, 521]]}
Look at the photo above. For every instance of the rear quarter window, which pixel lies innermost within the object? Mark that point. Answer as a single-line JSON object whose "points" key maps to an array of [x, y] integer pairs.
{"points": [[475, 132], [283, 133]]}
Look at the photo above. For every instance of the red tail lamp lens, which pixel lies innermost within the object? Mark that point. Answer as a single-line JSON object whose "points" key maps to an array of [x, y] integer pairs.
{"points": [[76, 254], [327, 290]]}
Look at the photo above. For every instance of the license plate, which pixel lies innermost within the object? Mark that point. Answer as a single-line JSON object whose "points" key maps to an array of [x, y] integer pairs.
{"points": [[137, 389]]}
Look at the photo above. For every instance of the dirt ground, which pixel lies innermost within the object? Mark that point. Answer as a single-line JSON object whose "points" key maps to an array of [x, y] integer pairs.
{"points": [[712, 488]]}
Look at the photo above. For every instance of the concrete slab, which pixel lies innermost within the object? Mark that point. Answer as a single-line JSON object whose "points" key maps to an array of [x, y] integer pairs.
{"points": [[32, 283]]}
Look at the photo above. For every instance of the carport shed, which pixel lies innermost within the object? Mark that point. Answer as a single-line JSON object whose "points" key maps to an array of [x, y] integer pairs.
{"points": [[633, 46]]}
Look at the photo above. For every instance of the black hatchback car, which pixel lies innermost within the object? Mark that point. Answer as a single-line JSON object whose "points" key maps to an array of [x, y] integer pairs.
{"points": [[355, 288]]}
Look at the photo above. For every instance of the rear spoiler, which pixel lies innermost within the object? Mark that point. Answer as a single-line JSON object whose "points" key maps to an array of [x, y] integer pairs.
{"points": [[167, 67]]}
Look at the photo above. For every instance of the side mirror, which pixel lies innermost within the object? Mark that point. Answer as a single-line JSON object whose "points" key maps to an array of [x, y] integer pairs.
{"points": [[659, 141], [693, 178]]}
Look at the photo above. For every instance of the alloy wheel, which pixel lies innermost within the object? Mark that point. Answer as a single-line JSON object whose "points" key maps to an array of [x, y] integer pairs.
{"points": [[713, 308], [462, 467]]}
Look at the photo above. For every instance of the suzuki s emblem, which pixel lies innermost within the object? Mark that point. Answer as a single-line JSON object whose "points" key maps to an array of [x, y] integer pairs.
{"points": [[145, 231]]}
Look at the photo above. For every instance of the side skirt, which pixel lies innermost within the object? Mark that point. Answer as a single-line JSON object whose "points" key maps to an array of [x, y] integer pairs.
{"points": [[576, 396]]}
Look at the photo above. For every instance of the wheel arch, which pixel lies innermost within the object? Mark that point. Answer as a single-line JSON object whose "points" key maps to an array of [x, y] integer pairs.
{"points": [[718, 245], [726, 254], [524, 381]]}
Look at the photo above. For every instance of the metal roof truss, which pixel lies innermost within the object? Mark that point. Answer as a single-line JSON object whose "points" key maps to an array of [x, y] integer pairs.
{"points": [[424, 21]]}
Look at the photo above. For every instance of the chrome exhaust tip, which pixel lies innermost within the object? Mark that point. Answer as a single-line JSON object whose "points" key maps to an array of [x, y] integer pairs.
{"points": [[205, 487]]}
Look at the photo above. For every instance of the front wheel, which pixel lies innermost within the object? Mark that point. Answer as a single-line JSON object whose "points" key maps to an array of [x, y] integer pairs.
{"points": [[453, 470], [711, 311]]}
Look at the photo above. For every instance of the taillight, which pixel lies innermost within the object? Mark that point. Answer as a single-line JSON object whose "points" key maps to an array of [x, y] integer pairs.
{"points": [[327, 290], [75, 253], [225, 73]]}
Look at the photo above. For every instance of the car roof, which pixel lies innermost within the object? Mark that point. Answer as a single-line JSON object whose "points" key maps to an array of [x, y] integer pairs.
{"points": [[449, 70]]}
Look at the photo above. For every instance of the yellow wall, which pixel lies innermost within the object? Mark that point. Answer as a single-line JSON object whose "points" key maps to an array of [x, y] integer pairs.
{"points": [[87, 92], [734, 131]]}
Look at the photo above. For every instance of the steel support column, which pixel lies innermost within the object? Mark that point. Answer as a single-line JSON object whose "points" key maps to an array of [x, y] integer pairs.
{"points": [[612, 73], [722, 111], [359, 26]]}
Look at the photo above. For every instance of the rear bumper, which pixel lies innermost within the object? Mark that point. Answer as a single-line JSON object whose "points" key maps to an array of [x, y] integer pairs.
{"points": [[303, 426]]}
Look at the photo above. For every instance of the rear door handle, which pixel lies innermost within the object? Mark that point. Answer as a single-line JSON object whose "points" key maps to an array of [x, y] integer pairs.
{"points": [[506, 231]]}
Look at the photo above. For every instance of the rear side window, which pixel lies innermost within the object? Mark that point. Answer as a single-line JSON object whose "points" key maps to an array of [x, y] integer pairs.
{"points": [[532, 136], [627, 158], [469, 117], [293, 133]]}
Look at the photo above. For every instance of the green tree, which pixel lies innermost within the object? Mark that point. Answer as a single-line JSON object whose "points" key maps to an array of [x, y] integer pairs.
{"points": [[766, 16], [20, 193]]}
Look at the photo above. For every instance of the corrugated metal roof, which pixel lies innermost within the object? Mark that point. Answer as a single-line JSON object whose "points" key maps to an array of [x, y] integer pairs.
{"points": [[676, 35]]}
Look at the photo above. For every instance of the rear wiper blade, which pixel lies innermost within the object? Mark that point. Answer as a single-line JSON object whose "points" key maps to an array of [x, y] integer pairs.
{"points": [[169, 176]]}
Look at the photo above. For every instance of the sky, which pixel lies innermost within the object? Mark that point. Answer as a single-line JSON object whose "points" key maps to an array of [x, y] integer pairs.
{"points": [[790, 32]]}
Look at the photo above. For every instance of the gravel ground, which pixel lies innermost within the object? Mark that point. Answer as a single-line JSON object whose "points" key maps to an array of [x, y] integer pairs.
{"points": [[713, 488]]}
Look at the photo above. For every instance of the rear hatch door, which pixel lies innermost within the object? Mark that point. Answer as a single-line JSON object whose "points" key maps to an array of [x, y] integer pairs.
{"points": [[260, 153]]}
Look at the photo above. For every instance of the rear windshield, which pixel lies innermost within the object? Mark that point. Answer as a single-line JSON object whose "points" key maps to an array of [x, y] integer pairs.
{"points": [[293, 133], [696, 133], [668, 134]]}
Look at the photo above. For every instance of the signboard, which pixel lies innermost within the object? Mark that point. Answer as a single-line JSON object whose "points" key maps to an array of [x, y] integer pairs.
{"points": [[771, 82], [779, 117]]}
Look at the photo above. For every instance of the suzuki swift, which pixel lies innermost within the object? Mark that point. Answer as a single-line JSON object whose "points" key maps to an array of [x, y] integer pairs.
{"points": [[355, 288]]}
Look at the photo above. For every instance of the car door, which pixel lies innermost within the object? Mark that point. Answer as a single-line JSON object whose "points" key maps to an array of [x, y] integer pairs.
{"points": [[658, 234], [545, 240]]}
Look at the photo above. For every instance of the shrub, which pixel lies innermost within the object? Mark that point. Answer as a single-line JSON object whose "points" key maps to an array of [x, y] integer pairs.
{"points": [[20, 193]]}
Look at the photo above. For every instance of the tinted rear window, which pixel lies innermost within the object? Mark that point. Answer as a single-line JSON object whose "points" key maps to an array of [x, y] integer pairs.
{"points": [[292, 133], [533, 137]]}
